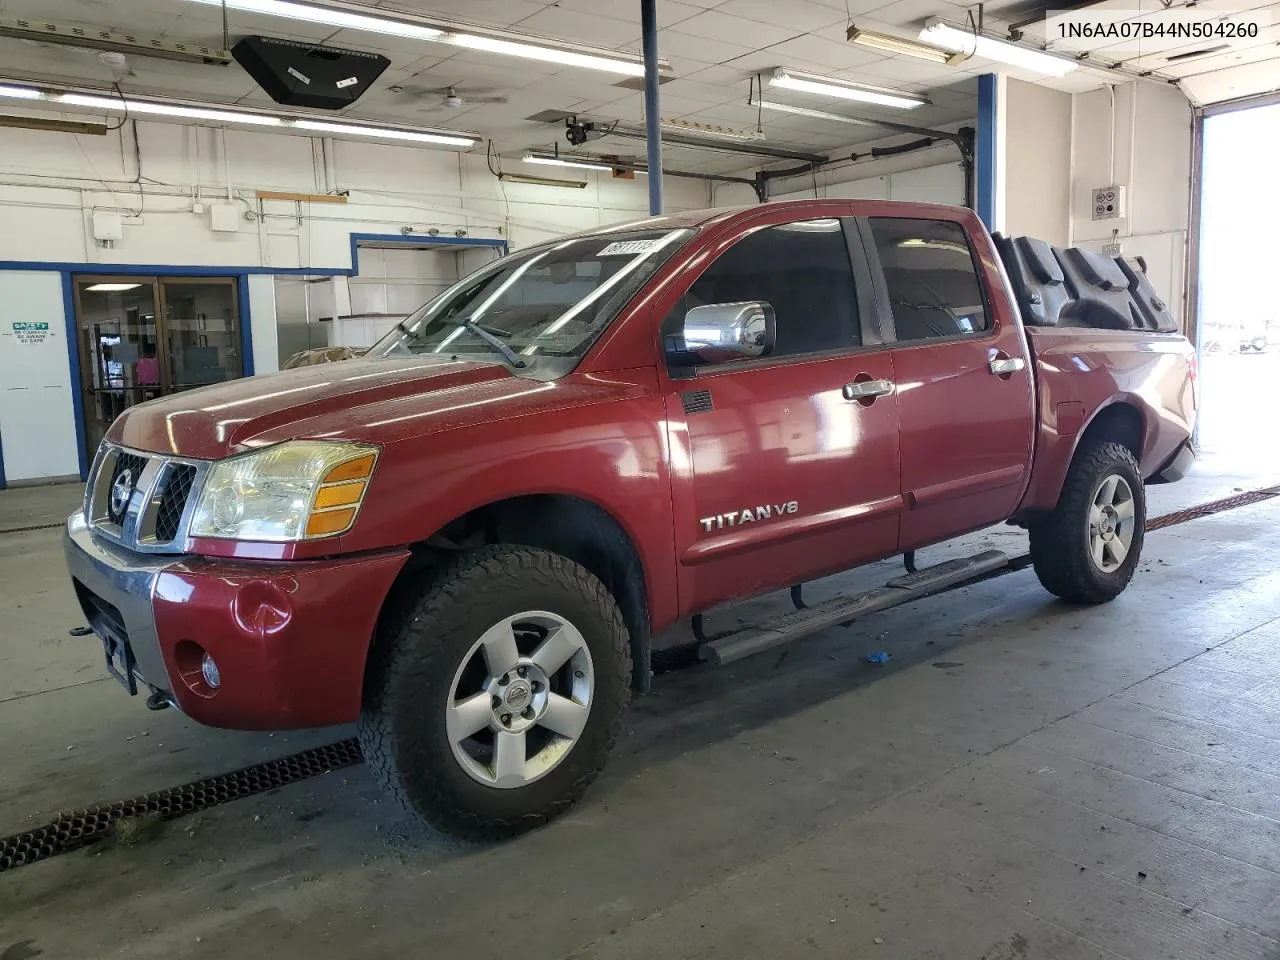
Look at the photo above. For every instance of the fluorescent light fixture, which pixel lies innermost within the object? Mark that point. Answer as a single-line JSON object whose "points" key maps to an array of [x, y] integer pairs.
{"points": [[333, 17], [20, 93], [969, 43], [181, 111], [554, 161], [358, 16], [888, 43], [541, 181], [698, 129], [112, 287], [844, 89], [533, 51], [214, 114], [384, 133]]}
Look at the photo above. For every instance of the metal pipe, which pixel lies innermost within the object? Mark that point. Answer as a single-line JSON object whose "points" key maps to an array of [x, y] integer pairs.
{"points": [[652, 110], [751, 148]]}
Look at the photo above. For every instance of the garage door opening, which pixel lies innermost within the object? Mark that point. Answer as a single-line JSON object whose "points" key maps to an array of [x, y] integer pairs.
{"points": [[1239, 320]]}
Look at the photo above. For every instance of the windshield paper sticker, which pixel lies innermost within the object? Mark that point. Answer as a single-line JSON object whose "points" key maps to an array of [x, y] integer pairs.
{"points": [[631, 248]]}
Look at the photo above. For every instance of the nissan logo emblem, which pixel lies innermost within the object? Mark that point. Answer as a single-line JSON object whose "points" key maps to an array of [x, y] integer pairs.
{"points": [[121, 491]]}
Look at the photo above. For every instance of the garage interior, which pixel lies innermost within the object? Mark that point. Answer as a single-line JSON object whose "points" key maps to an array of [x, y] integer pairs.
{"points": [[1018, 778]]}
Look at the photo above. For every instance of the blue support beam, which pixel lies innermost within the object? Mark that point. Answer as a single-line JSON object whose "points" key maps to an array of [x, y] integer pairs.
{"points": [[985, 148], [652, 109]]}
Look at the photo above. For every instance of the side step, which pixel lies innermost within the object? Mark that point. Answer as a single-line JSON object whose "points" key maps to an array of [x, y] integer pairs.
{"points": [[904, 589]]}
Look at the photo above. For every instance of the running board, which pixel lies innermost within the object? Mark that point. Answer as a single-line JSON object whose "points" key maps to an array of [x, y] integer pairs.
{"points": [[841, 610]]}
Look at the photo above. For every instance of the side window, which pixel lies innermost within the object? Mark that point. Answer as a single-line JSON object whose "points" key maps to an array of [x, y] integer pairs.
{"points": [[934, 290], [800, 269]]}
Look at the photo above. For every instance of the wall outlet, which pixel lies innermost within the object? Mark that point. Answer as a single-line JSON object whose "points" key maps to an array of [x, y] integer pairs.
{"points": [[1108, 202]]}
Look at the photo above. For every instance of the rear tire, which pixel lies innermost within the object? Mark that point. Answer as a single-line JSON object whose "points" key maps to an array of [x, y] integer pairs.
{"points": [[477, 747], [1087, 550]]}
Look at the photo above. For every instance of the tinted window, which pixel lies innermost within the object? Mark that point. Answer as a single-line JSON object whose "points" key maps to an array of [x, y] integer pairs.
{"points": [[800, 269], [933, 283]]}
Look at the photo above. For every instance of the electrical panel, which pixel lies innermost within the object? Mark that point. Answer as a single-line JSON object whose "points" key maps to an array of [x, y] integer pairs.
{"points": [[108, 228], [224, 217], [1108, 202]]}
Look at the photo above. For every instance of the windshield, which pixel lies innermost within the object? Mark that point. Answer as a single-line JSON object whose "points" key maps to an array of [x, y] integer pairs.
{"points": [[549, 302]]}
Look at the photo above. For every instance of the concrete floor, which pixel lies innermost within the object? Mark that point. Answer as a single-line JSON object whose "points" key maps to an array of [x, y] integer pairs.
{"points": [[1023, 780]]}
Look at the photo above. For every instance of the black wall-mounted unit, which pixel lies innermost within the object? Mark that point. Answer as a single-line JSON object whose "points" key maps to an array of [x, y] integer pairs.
{"points": [[308, 75]]}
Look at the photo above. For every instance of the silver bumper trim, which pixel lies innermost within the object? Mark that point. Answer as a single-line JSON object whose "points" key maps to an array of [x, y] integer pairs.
{"points": [[126, 581]]}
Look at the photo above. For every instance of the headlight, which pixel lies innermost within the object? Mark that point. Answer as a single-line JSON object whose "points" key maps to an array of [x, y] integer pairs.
{"points": [[300, 490]]}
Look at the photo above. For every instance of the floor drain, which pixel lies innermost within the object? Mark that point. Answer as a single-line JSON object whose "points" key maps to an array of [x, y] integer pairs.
{"points": [[75, 829]]}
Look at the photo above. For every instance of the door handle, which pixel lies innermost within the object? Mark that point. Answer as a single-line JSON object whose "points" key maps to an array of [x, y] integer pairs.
{"points": [[1003, 366], [867, 389]]}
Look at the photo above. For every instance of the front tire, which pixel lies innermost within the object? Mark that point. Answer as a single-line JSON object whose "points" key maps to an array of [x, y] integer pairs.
{"points": [[1087, 550], [493, 698]]}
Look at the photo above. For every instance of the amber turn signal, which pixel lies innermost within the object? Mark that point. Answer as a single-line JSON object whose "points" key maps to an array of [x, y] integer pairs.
{"points": [[340, 495], [357, 469], [330, 522]]}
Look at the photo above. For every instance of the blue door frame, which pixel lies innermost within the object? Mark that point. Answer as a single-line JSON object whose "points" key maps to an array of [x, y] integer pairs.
{"points": [[241, 274]]}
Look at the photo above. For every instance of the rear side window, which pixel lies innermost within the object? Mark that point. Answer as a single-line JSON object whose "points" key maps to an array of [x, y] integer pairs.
{"points": [[802, 270], [929, 268]]}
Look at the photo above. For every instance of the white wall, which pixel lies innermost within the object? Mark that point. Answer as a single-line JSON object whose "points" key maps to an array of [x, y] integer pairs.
{"points": [[1037, 162], [37, 425], [1143, 142], [51, 183]]}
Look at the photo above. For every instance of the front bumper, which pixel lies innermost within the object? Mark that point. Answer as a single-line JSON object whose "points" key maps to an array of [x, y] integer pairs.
{"points": [[289, 639]]}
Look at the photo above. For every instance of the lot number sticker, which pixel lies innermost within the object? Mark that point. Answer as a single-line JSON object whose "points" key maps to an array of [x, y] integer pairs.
{"points": [[630, 248]]}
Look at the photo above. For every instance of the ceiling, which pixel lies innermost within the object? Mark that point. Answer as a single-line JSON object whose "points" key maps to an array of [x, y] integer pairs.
{"points": [[714, 47]]}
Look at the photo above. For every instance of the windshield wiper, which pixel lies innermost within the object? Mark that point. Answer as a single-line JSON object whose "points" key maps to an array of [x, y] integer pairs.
{"points": [[490, 336]]}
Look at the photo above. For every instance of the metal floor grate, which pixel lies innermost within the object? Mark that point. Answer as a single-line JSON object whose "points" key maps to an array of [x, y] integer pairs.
{"points": [[79, 827]]}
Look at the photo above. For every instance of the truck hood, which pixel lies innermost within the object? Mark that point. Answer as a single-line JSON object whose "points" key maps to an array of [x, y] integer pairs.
{"points": [[218, 421]]}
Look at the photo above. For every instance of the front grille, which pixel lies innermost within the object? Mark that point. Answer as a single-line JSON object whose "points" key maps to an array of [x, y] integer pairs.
{"points": [[125, 462], [154, 498], [173, 500]]}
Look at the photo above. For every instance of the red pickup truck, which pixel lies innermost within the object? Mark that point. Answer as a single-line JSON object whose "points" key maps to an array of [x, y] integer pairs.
{"points": [[469, 539]]}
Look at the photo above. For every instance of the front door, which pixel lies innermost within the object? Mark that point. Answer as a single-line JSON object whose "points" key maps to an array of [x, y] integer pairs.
{"points": [[147, 337], [782, 470], [966, 397]]}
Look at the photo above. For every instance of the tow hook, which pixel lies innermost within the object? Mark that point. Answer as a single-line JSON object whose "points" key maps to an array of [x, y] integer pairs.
{"points": [[80, 631], [159, 700]]}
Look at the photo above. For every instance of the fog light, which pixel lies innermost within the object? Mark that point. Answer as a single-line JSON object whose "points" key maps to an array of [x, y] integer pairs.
{"points": [[209, 670]]}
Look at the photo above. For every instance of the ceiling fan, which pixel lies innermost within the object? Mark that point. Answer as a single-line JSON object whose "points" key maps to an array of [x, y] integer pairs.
{"points": [[447, 98]]}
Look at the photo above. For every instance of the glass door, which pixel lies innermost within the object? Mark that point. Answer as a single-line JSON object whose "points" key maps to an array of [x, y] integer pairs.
{"points": [[147, 337], [119, 341], [201, 331]]}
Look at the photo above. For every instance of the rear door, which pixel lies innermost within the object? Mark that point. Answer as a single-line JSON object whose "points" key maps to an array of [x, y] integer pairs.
{"points": [[781, 471], [965, 394]]}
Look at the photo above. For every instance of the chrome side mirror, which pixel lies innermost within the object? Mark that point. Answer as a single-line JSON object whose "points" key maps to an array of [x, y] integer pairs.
{"points": [[721, 332]]}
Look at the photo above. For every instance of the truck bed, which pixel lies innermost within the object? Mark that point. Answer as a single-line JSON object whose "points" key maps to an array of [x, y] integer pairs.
{"points": [[1101, 337]]}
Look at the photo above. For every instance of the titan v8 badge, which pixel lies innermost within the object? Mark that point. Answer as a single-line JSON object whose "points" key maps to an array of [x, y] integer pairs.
{"points": [[737, 518]]}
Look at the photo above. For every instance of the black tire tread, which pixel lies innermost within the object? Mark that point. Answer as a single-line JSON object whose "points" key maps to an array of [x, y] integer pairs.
{"points": [[1058, 552], [405, 646]]}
